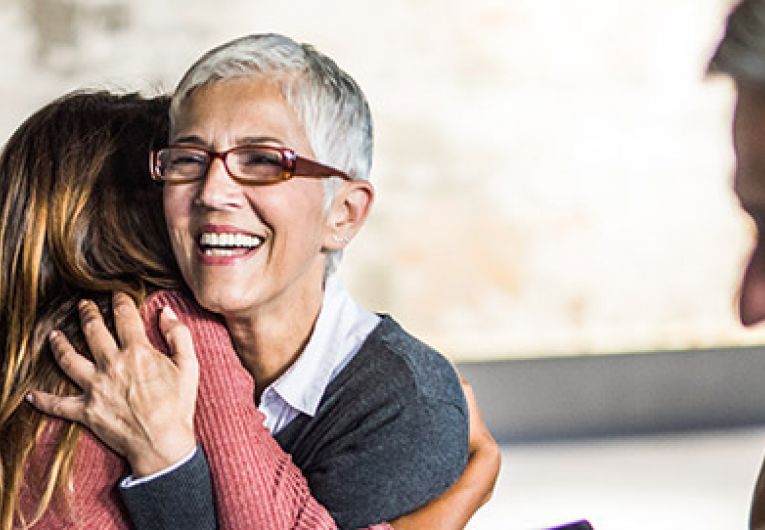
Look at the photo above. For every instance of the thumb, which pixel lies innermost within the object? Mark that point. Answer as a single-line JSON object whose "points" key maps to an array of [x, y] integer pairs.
{"points": [[178, 338]]}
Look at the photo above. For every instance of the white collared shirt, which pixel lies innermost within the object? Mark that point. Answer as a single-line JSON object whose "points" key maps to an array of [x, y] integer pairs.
{"points": [[340, 330]]}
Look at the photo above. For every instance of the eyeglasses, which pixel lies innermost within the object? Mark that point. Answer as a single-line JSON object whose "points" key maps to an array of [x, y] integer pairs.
{"points": [[248, 164]]}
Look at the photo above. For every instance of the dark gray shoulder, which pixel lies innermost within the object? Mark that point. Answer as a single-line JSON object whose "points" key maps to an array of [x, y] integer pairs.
{"points": [[390, 434], [407, 363]]}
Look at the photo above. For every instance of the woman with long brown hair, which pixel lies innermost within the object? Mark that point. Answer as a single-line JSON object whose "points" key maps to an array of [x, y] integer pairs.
{"points": [[81, 219], [73, 224]]}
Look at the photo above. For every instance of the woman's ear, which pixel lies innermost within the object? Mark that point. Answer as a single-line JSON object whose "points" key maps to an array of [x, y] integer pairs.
{"points": [[349, 209]]}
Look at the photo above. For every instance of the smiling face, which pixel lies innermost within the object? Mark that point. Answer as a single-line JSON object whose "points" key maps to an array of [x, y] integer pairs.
{"points": [[749, 142], [246, 249]]}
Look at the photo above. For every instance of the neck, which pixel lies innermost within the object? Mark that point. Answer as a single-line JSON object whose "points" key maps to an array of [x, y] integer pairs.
{"points": [[271, 337]]}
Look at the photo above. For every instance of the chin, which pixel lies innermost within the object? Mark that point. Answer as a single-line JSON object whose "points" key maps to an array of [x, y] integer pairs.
{"points": [[221, 300]]}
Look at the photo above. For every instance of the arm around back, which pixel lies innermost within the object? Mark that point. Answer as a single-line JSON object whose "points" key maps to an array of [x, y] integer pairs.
{"points": [[390, 434], [181, 499], [392, 455], [255, 483]]}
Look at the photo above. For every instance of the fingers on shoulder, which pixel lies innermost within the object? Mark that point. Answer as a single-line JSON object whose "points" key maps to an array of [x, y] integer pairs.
{"points": [[76, 366], [127, 319], [178, 336], [97, 335], [67, 407]]}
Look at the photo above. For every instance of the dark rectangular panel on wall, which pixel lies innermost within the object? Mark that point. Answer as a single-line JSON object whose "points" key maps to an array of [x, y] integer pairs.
{"points": [[609, 395]]}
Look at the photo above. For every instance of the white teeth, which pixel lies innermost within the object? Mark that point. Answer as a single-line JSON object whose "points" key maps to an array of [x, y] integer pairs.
{"points": [[212, 239], [219, 252]]}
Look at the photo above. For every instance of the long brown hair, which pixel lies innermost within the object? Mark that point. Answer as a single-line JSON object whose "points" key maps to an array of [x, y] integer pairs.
{"points": [[79, 218]]}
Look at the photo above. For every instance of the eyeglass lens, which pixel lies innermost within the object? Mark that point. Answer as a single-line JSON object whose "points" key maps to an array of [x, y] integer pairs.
{"points": [[248, 162]]}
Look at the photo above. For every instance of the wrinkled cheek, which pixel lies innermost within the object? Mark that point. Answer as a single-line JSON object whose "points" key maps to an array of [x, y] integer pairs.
{"points": [[752, 296]]}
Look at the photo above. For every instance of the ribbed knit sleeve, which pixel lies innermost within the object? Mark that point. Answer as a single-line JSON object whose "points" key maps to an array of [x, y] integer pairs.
{"points": [[255, 482]]}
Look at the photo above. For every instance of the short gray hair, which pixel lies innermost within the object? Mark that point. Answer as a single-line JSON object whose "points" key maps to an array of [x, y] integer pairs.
{"points": [[741, 52], [330, 104]]}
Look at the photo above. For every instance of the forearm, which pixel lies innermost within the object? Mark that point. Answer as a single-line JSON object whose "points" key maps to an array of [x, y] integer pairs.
{"points": [[256, 485], [454, 508], [181, 499]]}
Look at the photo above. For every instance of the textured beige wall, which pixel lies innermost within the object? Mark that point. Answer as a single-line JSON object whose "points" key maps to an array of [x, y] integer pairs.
{"points": [[552, 175]]}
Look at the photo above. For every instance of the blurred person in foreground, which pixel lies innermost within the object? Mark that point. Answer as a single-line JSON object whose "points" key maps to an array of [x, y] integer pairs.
{"points": [[265, 181], [741, 55]]}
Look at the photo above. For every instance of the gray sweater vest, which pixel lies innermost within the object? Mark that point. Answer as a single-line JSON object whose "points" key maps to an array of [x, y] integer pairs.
{"points": [[390, 434]]}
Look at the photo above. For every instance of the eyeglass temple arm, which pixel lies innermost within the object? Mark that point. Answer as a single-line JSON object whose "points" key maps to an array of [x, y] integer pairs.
{"points": [[304, 167]]}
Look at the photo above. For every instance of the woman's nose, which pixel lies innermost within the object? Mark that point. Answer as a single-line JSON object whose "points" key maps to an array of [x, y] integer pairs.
{"points": [[218, 190]]}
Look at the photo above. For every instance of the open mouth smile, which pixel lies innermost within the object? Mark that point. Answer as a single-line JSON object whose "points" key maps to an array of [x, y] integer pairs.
{"points": [[227, 244]]}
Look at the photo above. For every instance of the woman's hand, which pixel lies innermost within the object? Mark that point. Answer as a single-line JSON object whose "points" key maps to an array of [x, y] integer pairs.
{"points": [[136, 400], [454, 508]]}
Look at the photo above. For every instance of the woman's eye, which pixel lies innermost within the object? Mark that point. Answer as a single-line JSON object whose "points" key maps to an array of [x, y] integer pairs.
{"points": [[262, 161], [184, 160], [259, 158]]}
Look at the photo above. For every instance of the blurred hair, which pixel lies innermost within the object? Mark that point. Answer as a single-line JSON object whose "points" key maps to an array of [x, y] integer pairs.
{"points": [[329, 103], [741, 52], [79, 218]]}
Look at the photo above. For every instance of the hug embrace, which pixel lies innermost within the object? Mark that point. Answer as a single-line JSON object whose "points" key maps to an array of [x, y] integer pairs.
{"points": [[178, 349]]}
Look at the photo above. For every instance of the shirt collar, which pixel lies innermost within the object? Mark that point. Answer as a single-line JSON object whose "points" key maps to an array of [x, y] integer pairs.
{"points": [[339, 331]]}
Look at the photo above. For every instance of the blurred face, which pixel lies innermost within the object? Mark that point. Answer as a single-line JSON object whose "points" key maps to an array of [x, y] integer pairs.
{"points": [[749, 143], [243, 248]]}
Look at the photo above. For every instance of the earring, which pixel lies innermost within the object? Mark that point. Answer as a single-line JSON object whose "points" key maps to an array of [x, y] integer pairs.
{"points": [[340, 239]]}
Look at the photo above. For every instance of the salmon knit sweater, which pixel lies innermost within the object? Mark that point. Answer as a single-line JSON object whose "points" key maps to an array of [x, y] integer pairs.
{"points": [[255, 482]]}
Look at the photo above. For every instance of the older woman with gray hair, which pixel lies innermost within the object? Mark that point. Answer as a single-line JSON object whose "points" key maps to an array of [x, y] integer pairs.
{"points": [[265, 182]]}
